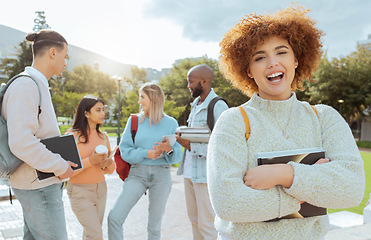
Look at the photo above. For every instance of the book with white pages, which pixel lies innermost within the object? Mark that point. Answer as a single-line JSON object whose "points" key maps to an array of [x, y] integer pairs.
{"points": [[195, 130], [304, 156], [197, 138]]}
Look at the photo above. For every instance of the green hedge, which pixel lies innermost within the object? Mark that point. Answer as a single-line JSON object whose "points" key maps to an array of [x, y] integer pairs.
{"points": [[364, 144]]}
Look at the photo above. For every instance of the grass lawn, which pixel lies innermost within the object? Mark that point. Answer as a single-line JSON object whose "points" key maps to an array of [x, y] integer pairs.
{"points": [[111, 131], [367, 166]]}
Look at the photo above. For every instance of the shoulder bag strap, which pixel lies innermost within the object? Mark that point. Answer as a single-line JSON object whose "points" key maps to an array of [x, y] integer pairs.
{"points": [[134, 126], [105, 138], [210, 111], [314, 109], [2, 93], [77, 135], [247, 123]]}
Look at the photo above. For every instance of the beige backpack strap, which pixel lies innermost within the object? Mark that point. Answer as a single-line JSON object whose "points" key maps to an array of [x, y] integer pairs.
{"points": [[314, 109], [77, 135], [246, 120], [105, 138]]}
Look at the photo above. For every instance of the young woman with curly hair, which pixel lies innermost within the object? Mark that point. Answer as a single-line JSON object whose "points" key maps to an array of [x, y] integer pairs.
{"points": [[268, 57]]}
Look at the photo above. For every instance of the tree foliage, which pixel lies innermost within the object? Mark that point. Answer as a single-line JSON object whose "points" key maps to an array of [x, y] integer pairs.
{"points": [[178, 97], [24, 58], [129, 87], [84, 79], [346, 79]]}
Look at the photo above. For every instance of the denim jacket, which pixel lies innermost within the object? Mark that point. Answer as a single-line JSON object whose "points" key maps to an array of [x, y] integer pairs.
{"points": [[199, 150]]}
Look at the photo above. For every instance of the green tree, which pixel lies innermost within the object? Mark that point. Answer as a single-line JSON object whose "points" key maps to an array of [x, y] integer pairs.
{"points": [[68, 90], [348, 79], [84, 79], [129, 93], [67, 102], [13, 66], [178, 97]]}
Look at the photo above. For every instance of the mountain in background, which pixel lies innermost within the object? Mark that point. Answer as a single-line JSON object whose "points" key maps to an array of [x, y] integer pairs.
{"points": [[10, 39]]}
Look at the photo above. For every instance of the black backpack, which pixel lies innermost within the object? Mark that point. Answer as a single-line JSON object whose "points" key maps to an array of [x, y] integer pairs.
{"points": [[210, 111]]}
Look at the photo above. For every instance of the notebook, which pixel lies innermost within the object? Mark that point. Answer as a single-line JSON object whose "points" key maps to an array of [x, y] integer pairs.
{"points": [[304, 156], [65, 146]]}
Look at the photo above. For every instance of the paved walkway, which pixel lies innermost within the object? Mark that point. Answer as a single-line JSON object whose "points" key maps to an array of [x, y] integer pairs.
{"points": [[175, 222]]}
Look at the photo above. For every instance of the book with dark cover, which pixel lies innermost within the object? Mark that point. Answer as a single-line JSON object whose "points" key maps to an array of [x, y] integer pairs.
{"points": [[305, 156], [65, 146]]}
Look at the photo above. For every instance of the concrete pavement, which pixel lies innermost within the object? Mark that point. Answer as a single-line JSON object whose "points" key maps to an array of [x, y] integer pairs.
{"points": [[175, 226], [175, 222]]}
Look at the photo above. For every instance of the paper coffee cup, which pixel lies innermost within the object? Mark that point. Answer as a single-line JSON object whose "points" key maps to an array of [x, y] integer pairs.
{"points": [[101, 149]]}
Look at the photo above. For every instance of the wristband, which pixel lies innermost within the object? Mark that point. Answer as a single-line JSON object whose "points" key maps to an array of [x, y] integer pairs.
{"points": [[170, 152]]}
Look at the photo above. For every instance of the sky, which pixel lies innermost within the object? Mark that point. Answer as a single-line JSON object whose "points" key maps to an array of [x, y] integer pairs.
{"points": [[156, 33]]}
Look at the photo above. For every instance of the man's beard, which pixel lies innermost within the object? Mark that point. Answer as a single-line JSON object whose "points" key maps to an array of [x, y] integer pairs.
{"points": [[197, 92]]}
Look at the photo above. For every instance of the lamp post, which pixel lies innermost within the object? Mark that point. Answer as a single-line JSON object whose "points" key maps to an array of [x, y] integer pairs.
{"points": [[119, 115], [340, 101]]}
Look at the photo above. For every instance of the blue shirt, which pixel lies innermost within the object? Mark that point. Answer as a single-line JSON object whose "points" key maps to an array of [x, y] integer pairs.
{"points": [[146, 138]]}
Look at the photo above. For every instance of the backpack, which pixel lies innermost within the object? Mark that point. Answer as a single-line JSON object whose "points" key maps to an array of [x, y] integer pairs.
{"points": [[210, 111], [8, 162], [247, 123], [123, 167]]}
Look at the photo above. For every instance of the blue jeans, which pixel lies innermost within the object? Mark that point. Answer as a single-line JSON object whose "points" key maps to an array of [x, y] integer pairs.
{"points": [[157, 180], [43, 213]]}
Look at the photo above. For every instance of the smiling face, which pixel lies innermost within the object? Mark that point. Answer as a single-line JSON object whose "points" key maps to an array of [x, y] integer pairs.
{"points": [[194, 84], [272, 67], [96, 114], [144, 102]]}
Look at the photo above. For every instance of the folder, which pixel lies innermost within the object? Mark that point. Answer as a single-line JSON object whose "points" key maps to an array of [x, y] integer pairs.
{"points": [[304, 156], [66, 147]]}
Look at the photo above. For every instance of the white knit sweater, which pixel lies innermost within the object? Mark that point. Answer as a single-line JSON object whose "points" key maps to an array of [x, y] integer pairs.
{"points": [[241, 211]]}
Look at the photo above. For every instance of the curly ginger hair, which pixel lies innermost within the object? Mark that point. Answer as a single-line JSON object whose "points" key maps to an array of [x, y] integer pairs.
{"points": [[242, 40]]}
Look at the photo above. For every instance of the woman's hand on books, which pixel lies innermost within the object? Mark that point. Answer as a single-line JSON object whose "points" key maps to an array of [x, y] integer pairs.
{"points": [[269, 175], [185, 143]]}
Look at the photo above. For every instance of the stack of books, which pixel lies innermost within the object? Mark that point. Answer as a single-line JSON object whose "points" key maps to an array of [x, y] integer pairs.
{"points": [[195, 134]]}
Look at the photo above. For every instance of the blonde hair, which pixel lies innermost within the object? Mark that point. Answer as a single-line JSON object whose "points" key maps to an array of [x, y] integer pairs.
{"points": [[157, 101]]}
